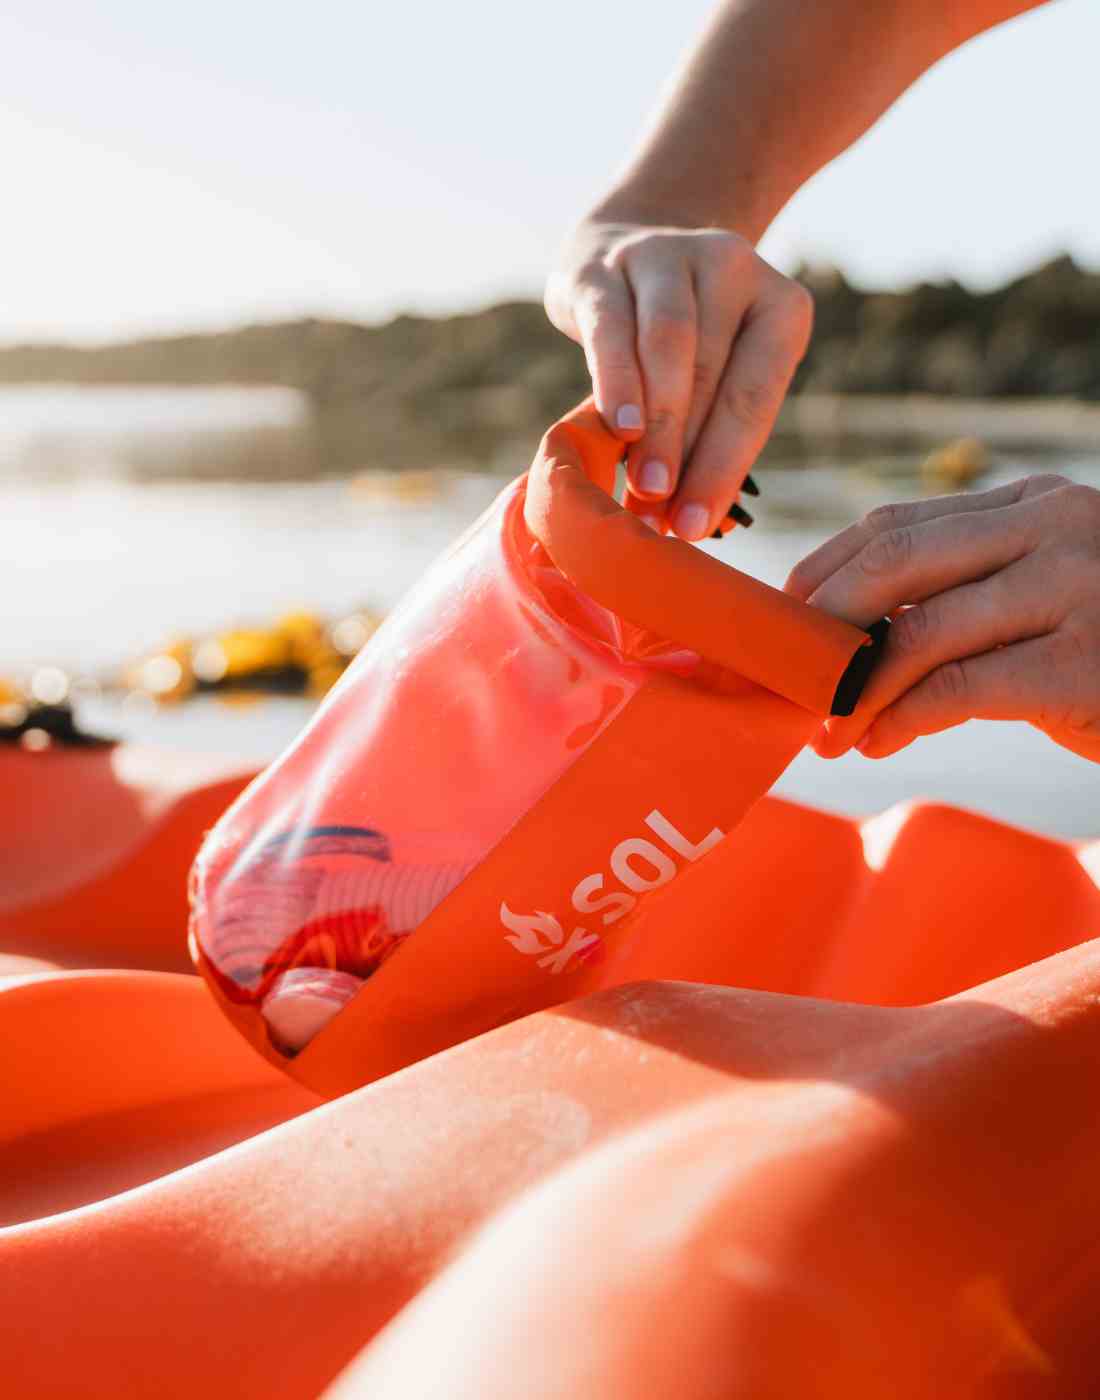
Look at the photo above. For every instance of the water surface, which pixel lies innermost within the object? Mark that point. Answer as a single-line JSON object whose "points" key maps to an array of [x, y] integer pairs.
{"points": [[99, 567]]}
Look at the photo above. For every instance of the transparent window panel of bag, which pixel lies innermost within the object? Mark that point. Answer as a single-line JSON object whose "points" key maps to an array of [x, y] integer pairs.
{"points": [[481, 689]]}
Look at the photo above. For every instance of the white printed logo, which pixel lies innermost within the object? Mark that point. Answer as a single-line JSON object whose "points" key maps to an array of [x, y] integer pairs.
{"points": [[540, 935], [556, 951]]}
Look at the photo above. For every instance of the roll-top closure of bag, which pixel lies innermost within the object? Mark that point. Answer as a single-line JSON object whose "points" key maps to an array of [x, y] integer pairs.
{"points": [[668, 586]]}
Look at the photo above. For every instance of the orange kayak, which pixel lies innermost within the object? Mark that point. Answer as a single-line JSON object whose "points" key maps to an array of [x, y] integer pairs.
{"points": [[95, 849], [793, 1153]]}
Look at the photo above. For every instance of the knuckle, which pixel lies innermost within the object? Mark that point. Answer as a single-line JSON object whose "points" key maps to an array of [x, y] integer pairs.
{"points": [[595, 297], [948, 684], [660, 422], [641, 247], [591, 287], [724, 246], [670, 329], [1073, 648], [703, 375], [1066, 527], [615, 366], [751, 403], [1041, 483], [615, 258], [884, 518], [601, 300], [711, 356], [1081, 502], [887, 553], [592, 272], [909, 634], [802, 580]]}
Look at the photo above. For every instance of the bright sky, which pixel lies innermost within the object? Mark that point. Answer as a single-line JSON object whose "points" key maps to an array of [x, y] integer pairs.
{"points": [[190, 165]]}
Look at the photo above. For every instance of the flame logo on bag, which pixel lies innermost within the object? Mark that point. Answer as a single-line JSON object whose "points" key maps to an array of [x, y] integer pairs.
{"points": [[529, 931], [637, 864], [526, 929]]}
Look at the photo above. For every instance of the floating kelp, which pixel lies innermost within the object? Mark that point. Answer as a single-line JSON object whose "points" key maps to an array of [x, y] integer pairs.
{"points": [[956, 465], [300, 654], [42, 715]]}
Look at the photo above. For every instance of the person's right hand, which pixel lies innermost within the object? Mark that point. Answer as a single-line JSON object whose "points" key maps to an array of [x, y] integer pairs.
{"points": [[691, 340], [996, 604]]}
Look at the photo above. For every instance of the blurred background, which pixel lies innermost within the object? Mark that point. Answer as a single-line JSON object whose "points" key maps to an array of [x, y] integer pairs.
{"points": [[271, 335]]}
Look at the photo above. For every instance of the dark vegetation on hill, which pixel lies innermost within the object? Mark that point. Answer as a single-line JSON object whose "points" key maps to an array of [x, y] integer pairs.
{"points": [[480, 388]]}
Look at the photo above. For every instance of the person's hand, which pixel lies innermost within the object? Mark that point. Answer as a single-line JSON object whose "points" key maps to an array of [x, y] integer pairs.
{"points": [[1004, 622], [691, 340]]}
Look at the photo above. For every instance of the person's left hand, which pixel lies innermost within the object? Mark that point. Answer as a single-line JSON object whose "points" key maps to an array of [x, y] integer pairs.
{"points": [[1000, 599]]}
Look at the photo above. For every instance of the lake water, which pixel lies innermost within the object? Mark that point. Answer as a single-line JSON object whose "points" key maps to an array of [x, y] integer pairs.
{"points": [[99, 567]]}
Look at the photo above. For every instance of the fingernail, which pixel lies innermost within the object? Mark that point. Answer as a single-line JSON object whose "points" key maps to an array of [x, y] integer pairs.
{"points": [[831, 740], [629, 417], [750, 487], [653, 521], [692, 521], [655, 479], [742, 517]]}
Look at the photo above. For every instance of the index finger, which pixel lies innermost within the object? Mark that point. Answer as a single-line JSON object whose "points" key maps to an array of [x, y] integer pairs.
{"points": [[666, 312], [605, 320], [809, 575], [771, 340], [913, 562]]}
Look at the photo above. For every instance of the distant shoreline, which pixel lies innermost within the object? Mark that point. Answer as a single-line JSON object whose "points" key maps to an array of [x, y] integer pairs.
{"points": [[254, 433], [1018, 367], [1006, 423]]}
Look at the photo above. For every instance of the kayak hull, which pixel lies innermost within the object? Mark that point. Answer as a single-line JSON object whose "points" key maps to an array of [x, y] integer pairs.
{"points": [[837, 1107]]}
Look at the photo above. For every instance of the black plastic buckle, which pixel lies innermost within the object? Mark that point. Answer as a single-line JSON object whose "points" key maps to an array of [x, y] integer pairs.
{"points": [[859, 669]]}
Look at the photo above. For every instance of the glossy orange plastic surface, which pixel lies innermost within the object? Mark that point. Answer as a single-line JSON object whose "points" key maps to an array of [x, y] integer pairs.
{"points": [[875, 1204], [95, 846]]}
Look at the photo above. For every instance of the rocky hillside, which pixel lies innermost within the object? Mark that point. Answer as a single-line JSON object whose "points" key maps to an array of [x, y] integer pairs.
{"points": [[1035, 337], [480, 388]]}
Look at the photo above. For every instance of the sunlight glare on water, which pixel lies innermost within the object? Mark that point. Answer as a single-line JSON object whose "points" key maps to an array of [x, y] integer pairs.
{"points": [[101, 568]]}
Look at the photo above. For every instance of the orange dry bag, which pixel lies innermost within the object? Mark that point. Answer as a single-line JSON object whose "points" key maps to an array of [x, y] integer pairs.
{"points": [[568, 711]]}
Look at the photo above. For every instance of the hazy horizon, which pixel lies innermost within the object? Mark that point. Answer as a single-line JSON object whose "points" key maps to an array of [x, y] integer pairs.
{"points": [[182, 171], [185, 329]]}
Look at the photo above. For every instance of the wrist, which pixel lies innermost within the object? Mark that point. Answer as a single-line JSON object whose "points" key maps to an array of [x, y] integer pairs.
{"points": [[745, 207]]}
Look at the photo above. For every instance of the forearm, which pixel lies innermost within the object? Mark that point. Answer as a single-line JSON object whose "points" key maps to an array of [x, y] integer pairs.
{"points": [[776, 89]]}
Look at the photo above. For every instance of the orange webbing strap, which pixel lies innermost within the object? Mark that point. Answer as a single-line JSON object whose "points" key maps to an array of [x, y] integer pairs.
{"points": [[668, 586]]}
